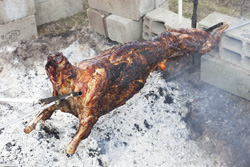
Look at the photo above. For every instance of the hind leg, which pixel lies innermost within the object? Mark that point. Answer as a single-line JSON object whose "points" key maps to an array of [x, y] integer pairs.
{"points": [[84, 129]]}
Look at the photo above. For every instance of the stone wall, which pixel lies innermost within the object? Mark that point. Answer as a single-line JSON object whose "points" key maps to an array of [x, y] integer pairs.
{"points": [[121, 21], [19, 18], [17, 21]]}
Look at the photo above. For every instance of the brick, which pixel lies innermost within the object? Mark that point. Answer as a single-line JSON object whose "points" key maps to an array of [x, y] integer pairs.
{"points": [[18, 30], [52, 10], [15, 9], [159, 20], [215, 18], [234, 46], [122, 29], [224, 75], [133, 9], [97, 21]]}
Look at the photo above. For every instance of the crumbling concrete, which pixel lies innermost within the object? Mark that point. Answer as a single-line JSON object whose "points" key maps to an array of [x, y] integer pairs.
{"points": [[11, 10], [52, 10], [97, 21], [122, 29], [18, 30], [225, 75], [133, 9], [159, 20]]}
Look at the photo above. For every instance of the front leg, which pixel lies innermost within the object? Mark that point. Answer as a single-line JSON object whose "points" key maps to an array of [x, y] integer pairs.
{"points": [[44, 115], [84, 129]]}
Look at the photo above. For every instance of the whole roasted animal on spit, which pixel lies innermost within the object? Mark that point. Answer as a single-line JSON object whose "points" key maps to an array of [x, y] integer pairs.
{"points": [[110, 79]]}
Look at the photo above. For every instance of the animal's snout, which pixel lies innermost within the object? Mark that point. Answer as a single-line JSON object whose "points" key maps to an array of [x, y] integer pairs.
{"points": [[55, 57]]}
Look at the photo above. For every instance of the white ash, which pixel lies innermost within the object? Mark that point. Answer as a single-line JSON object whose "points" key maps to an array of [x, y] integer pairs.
{"points": [[147, 131]]}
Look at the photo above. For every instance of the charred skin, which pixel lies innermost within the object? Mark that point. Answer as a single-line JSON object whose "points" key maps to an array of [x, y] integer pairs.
{"points": [[109, 80]]}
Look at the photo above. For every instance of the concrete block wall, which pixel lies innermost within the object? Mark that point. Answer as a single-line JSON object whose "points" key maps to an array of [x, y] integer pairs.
{"points": [[235, 46], [19, 18], [132, 9], [12, 10], [159, 20], [123, 19], [17, 21], [228, 67], [52, 10]]}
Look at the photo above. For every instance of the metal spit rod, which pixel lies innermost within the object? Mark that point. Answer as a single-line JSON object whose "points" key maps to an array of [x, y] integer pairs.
{"points": [[51, 101], [238, 25]]}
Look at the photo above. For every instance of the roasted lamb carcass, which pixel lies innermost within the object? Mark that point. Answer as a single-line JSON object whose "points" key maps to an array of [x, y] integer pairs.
{"points": [[109, 80]]}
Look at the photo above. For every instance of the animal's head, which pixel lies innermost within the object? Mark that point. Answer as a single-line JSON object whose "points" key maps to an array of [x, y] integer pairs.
{"points": [[215, 33], [58, 67]]}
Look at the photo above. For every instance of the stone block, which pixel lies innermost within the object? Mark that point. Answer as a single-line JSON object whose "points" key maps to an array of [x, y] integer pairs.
{"points": [[15, 9], [159, 20], [133, 9], [122, 29], [18, 30], [97, 21], [52, 10], [215, 18], [224, 75]]}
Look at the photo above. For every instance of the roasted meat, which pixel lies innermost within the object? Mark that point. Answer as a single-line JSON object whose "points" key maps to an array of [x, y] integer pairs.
{"points": [[110, 79]]}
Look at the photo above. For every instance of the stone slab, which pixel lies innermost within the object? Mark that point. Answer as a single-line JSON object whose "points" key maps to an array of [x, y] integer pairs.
{"points": [[18, 30], [97, 21], [133, 9], [52, 10], [159, 20], [224, 75], [122, 29], [15, 9]]}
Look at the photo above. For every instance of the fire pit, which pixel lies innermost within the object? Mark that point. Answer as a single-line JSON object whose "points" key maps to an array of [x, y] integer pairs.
{"points": [[182, 122]]}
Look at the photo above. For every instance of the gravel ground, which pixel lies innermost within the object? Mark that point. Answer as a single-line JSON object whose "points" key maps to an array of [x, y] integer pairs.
{"points": [[175, 120]]}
